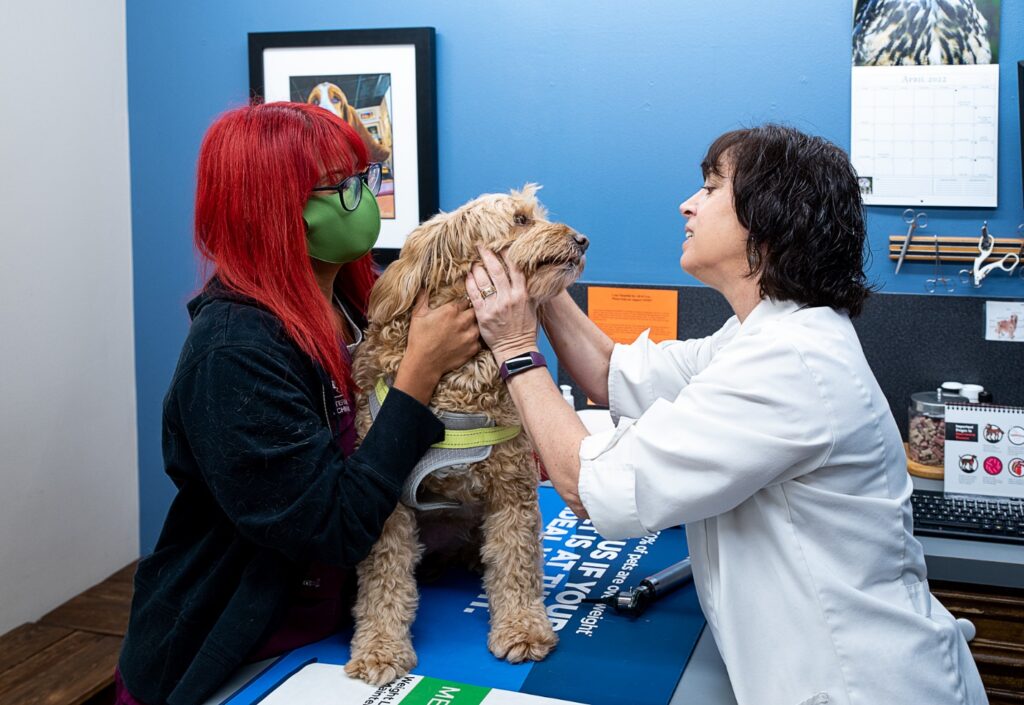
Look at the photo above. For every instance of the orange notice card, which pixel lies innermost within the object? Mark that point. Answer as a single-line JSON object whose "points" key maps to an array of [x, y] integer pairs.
{"points": [[623, 314]]}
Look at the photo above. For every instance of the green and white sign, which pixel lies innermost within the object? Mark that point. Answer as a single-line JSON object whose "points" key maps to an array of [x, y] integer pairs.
{"points": [[327, 684]]}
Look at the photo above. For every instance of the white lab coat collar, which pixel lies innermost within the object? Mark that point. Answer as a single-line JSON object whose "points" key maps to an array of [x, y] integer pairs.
{"points": [[766, 311]]}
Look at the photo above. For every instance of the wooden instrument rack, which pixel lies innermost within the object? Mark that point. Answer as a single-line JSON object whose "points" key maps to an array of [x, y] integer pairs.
{"points": [[951, 249]]}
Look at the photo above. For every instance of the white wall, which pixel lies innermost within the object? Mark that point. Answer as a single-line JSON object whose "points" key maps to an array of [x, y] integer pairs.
{"points": [[68, 461]]}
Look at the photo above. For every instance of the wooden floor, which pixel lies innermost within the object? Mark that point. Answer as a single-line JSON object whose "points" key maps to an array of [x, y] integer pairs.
{"points": [[68, 656]]}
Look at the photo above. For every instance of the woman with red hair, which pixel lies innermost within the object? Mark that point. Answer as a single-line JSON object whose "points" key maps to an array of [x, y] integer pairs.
{"points": [[275, 505]]}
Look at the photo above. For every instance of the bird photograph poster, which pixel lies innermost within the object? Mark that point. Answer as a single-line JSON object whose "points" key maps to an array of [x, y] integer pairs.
{"points": [[925, 98], [925, 32], [362, 101]]}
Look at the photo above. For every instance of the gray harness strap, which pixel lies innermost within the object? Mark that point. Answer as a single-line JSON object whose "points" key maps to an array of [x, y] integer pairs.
{"points": [[439, 460]]}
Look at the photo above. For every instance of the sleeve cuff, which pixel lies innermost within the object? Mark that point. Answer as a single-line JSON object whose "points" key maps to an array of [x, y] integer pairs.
{"points": [[629, 390], [607, 488], [399, 436]]}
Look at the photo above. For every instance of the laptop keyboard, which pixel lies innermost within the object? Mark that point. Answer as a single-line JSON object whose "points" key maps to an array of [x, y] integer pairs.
{"points": [[978, 519]]}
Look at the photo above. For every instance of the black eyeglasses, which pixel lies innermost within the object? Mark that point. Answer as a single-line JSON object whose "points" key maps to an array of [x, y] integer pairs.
{"points": [[351, 189]]}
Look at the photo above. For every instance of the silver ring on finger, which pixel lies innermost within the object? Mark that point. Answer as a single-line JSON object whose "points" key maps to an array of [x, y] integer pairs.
{"points": [[488, 291]]}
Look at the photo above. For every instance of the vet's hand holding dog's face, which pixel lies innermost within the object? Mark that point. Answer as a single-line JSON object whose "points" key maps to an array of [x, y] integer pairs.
{"points": [[507, 318]]}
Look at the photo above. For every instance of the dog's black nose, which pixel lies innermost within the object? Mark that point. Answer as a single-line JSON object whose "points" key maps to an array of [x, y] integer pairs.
{"points": [[581, 241]]}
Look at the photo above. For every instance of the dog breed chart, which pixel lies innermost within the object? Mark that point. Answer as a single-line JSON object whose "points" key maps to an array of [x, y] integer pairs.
{"points": [[926, 135]]}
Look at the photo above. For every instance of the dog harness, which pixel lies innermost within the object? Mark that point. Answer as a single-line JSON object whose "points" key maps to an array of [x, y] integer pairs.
{"points": [[468, 438]]}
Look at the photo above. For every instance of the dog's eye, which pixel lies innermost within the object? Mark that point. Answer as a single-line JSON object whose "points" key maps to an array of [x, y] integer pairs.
{"points": [[521, 219]]}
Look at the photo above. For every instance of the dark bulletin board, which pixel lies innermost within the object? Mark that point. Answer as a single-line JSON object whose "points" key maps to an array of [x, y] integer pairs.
{"points": [[912, 342]]}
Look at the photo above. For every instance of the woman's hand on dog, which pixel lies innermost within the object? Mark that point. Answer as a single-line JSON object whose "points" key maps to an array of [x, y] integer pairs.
{"points": [[507, 318], [508, 324], [440, 339]]}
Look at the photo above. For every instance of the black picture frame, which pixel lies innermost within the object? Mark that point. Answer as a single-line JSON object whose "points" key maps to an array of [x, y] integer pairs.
{"points": [[1020, 116], [274, 57]]}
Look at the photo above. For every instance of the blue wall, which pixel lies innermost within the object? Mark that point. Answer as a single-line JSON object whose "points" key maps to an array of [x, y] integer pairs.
{"points": [[610, 105]]}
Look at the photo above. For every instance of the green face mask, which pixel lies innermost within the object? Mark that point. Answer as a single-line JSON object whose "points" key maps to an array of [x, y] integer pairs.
{"points": [[336, 235]]}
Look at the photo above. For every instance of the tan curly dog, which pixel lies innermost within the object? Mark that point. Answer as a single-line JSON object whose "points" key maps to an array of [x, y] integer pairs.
{"points": [[499, 519]]}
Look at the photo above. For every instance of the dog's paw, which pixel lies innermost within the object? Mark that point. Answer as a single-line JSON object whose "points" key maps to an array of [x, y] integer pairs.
{"points": [[526, 638], [381, 664]]}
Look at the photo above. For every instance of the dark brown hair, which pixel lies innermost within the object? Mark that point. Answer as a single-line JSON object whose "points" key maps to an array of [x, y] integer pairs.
{"points": [[798, 197]]}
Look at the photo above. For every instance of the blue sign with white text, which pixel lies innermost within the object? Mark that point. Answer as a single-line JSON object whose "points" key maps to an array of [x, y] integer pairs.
{"points": [[602, 658]]}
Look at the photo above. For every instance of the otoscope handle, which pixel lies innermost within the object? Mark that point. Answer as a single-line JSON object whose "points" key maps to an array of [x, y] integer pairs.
{"points": [[670, 578], [634, 602]]}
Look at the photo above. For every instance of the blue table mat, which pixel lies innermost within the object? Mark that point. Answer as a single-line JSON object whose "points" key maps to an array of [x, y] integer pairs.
{"points": [[601, 659]]}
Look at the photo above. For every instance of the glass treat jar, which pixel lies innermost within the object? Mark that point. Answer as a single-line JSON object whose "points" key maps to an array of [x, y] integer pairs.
{"points": [[926, 427]]}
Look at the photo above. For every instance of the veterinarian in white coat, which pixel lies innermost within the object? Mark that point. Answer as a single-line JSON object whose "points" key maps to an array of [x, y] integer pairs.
{"points": [[770, 440]]}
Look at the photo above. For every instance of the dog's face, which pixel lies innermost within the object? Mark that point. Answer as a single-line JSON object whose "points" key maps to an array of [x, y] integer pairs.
{"points": [[439, 254], [330, 97], [515, 225]]}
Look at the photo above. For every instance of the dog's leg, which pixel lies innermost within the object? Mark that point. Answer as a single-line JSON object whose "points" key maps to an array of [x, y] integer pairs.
{"points": [[520, 630], [386, 603]]}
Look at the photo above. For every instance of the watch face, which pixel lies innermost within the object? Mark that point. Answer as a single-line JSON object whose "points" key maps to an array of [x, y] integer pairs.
{"points": [[519, 363]]}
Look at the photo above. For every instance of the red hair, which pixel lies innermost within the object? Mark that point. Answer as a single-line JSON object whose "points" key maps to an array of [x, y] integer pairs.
{"points": [[257, 167]]}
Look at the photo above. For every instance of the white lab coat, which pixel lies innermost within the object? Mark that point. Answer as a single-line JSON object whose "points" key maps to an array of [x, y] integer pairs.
{"points": [[773, 443]]}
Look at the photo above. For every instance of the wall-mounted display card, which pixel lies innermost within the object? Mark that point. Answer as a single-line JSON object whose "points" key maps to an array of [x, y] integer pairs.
{"points": [[624, 313], [925, 102], [1004, 320], [984, 450]]}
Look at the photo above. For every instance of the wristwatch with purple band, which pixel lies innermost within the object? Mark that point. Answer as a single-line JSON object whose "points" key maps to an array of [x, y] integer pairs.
{"points": [[521, 363]]}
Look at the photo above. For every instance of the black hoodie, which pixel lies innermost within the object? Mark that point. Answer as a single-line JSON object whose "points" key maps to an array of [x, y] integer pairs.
{"points": [[263, 490]]}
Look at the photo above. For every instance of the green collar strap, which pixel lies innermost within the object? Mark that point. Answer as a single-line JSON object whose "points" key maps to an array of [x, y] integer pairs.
{"points": [[463, 438]]}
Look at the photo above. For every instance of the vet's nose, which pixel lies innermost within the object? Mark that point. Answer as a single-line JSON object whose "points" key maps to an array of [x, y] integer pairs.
{"points": [[581, 241]]}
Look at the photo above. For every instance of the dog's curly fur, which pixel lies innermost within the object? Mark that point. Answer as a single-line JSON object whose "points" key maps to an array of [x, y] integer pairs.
{"points": [[499, 495]]}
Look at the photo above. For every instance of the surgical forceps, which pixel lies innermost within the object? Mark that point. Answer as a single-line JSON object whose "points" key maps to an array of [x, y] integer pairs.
{"points": [[937, 281], [913, 221], [986, 243]]}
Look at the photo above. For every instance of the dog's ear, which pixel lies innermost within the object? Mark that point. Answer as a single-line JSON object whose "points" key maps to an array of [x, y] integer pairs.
{"points": [[396, 289], [435, 257], [529, 190], [529, 193]]}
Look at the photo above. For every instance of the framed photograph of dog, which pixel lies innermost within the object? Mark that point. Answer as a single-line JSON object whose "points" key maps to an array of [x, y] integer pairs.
{"points": [[382, 82]]}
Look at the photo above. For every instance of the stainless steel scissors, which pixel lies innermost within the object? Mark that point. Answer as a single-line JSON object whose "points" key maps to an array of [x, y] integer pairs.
{"points": [[980, 270], [937, 281], [913, 221]]}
